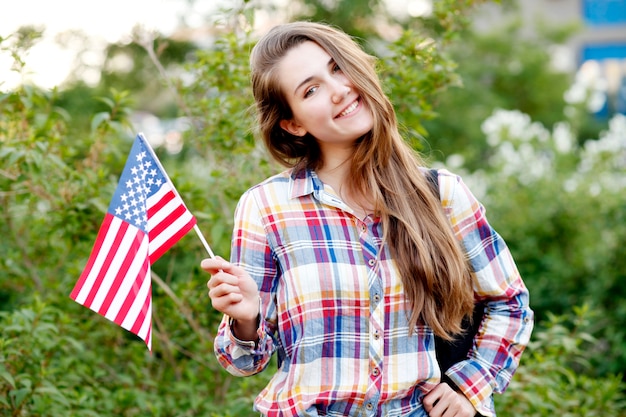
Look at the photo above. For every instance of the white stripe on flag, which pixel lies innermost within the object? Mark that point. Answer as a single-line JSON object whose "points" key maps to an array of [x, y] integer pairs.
{"points": [[127, 284], [114, 268], [97, 265], [146, 326], [164, 211], [156, 197], [138, 303], [167, 233]]}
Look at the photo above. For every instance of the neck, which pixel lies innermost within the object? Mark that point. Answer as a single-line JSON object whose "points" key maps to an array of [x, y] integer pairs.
{"points": [[335, 167], [336, 173]]}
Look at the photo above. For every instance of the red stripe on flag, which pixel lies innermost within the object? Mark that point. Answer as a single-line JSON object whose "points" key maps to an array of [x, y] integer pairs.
{"points": [[142, 314], [149, 338], [132, 293], [106, 264], [106, 223], [122, 272], [167, 221], [166, 198], [172, 240], [163, 226]]}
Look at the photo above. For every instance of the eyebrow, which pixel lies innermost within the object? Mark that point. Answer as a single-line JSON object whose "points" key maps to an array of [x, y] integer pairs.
{"points": [[307, 79]]}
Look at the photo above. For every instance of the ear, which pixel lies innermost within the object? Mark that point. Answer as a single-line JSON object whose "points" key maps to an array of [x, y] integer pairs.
{"points": [[292, 127]]}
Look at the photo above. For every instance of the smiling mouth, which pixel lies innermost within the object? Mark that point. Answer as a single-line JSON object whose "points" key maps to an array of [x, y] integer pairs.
{"points": [[352, 107]]}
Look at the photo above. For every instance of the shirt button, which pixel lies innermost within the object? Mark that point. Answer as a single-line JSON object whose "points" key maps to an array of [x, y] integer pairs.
{"points": [[376, 372], [376, 335], [377, 297], [371, 262], [369, 406]]}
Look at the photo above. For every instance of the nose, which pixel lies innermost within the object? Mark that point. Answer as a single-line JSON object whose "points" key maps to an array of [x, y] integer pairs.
{"points": [[340, 92]]}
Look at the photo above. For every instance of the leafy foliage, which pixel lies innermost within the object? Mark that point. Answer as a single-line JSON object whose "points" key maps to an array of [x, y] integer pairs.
{"points": [[555, 376], [500, 68], [61, 152], [560, 206]]}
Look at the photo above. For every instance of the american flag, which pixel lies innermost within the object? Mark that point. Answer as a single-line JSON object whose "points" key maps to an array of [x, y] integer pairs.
{"points": [[145, 218]]}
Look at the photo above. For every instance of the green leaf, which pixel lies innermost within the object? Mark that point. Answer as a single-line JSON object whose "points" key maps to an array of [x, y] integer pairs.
{"points": [[98, 119], [19, 395], [4, 374]]}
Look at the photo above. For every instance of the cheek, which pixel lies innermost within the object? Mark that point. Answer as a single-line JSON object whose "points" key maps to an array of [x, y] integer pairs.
{"points": [[312, 112], [322, 106]]}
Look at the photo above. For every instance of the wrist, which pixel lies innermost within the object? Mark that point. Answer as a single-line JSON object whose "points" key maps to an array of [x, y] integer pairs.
{"points": [[246, 330]]}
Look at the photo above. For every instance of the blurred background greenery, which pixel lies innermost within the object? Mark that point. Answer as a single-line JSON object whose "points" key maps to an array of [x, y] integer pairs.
{"points": [[478, 90]]}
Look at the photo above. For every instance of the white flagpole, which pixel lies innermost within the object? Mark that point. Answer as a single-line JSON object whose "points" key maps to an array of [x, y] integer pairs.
{"points": [[195, 226], [203, 240]]}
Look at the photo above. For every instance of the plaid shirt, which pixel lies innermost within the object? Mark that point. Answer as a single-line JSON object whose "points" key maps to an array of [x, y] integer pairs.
{"points": [[333, 306]]}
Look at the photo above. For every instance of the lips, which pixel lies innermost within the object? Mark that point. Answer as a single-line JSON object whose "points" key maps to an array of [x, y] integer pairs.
{"points": [[348, 110]]}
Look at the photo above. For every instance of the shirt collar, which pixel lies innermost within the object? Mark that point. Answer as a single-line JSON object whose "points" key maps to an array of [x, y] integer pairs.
{"points": [[304, 181]]}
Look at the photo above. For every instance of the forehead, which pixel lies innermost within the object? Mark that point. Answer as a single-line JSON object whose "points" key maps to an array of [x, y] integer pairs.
{"points": [[299, 63]]}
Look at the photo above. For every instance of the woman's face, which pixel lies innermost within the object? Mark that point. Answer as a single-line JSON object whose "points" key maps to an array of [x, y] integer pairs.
{"points": [[323, 101]]}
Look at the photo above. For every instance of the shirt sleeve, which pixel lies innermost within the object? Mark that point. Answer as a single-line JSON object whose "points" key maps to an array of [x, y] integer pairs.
{"points": [[251, 251], [508, 320]]}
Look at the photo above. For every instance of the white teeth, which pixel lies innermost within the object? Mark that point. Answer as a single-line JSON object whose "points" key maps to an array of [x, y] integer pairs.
{"points": [[350, 109]]}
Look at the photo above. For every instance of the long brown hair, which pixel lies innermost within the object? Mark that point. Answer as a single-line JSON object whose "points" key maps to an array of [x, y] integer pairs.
{"points": [[433, 265]]}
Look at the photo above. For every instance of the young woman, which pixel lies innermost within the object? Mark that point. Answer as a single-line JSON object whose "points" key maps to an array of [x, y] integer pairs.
{"points": [[347, 264]]}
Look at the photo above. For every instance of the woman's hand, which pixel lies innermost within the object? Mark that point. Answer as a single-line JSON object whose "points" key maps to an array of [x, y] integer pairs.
{"points": [[234, 293], [443, 401]]}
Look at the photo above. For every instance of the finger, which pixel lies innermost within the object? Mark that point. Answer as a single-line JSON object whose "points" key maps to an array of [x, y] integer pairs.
{"points": [[225, 300], [222, 288], [213, 265], [453, 404], [431, 399], [223, 283], [222, 278], [437, 402], [216, 266]]}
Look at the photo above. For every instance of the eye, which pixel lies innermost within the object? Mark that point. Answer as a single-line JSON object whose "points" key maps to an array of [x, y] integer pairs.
{"points": [[310, 91], [336, 67]]}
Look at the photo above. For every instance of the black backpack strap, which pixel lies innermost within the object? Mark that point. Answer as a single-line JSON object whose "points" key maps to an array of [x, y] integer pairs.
{"points": [[432, 175]]}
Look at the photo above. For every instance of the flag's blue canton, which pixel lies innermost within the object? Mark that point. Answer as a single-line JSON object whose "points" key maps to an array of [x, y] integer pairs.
{"points": [[141, 179]]}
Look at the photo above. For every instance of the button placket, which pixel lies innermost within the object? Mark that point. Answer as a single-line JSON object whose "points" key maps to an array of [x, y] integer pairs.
{"points": [[362, 228], [371, 261]]}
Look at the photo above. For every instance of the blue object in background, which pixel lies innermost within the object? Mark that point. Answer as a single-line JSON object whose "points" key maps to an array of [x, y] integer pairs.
{"points": [[604, 12], [602, 52]]}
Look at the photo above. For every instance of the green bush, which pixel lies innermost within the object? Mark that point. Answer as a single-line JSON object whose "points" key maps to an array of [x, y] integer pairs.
{"points": [[560, 207], [58, 358], [555, 376], [49, 368]]}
